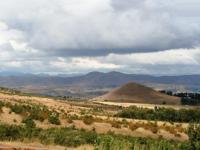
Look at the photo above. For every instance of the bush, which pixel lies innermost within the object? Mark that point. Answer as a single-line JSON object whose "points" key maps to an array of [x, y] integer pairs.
{"points": [[194, 132], [18, 109], [29, 122], [1, 106], [54, 119], [115, 124], [133, 126], [88, 120], [11, 132], [69, 120]]}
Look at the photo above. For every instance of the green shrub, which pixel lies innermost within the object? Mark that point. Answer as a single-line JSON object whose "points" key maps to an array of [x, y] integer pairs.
{"points": [[54, 119], [71, 137], [11, 132], [29, 122], [194, 132], [163, 114], [18, 109]]}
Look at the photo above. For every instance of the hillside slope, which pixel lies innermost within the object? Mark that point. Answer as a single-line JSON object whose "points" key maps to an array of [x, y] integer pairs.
{"points": [[136, 93]]}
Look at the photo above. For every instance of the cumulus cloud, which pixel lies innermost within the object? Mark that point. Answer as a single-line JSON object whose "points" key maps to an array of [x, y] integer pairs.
{"points": [[174, 61], [173, 56], [84, 35]]}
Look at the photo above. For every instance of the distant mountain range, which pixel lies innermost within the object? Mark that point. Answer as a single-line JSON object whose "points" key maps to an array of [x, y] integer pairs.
{"points": [[95, 83]]}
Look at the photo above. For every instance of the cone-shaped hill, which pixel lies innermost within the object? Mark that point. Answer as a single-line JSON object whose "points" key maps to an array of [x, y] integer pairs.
{"points": [[136, 93]]}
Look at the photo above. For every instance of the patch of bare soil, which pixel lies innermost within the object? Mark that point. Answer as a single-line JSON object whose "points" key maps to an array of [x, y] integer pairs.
{"points": [[9, 117]]}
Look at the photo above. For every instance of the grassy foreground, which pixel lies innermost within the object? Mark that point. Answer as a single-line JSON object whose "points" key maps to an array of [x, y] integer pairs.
{"points": [[71, 137]]}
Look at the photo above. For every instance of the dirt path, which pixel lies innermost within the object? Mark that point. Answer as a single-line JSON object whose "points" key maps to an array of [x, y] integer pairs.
{"points": [[37, 146]]}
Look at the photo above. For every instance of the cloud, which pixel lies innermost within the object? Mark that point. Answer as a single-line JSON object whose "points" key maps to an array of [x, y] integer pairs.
{"points": [[174, 61], [173, 57], [134, 36], [81, 64], [13, 46], [98, 27]]}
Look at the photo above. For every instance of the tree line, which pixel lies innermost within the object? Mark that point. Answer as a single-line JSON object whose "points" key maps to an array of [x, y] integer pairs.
{"points": [[161, 113], [186, 97]]}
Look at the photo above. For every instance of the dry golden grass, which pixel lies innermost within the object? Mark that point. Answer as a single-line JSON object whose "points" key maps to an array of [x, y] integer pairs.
{"points": [[71, 115]]}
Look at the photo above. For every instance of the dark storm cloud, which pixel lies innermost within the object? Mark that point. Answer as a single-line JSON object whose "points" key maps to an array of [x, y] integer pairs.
{"points": [[86, 28], [98, 52]]}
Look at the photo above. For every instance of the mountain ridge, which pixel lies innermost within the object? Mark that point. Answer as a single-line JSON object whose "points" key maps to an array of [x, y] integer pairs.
{"points": [[95, 83]]}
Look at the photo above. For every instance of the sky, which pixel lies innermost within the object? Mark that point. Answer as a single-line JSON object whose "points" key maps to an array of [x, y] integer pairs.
{"points": [[160, 37]]}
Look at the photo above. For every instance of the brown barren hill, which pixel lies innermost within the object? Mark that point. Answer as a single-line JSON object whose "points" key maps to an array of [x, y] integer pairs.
{"points": [[136, 93]]}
